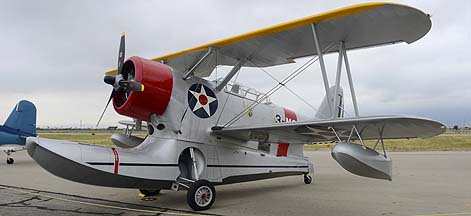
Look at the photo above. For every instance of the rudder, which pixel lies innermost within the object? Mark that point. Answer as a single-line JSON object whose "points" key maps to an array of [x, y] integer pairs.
{"points": [[23, 117], [324, 111]]}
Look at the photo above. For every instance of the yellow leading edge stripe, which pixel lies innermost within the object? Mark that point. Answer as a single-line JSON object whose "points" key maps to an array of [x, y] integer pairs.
{"points": [[334, 14]]}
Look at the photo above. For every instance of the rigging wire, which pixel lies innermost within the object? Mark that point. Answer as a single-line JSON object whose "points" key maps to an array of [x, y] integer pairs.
{"points": [[278, 86], [269, 93], [292, 92], [227, 98]]}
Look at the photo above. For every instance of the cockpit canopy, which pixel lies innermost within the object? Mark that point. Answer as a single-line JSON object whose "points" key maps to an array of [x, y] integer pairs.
{"points": [[244, 92]]}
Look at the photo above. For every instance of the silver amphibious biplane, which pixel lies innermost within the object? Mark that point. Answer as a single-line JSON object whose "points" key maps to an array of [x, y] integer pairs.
{"points": [[204, 133]]}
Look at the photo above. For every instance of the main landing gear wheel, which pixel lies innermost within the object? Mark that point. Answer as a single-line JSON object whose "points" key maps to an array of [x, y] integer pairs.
{"points": [[10, 161], [201, 195], [307, 179], [147, 192]]}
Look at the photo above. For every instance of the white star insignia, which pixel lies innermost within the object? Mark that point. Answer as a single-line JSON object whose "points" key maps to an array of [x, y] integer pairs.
{"points": [[203, 100]]}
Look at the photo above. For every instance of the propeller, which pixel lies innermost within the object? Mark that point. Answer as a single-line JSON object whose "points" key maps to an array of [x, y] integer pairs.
{"points": [[118, 82]]}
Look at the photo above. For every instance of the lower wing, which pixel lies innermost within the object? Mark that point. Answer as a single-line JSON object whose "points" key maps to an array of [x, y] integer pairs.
{"points": [[369, 127]]}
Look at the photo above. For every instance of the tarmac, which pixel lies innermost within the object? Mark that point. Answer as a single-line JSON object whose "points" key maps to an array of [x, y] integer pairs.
{"points": [[424, 183]]}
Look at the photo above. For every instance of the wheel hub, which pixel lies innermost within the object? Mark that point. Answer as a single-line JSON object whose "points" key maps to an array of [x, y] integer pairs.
{"points": [[203, 196]]}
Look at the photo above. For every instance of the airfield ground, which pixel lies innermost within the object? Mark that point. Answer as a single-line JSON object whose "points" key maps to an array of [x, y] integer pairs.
{"points": [[424, 183]]}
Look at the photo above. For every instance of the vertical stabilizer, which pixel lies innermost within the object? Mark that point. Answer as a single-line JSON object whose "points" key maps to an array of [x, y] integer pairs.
{"points": [[326, 112], [23, 117]]}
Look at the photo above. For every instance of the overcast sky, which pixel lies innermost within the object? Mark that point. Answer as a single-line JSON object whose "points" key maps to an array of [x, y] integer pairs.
{"points": [[54, 53]]}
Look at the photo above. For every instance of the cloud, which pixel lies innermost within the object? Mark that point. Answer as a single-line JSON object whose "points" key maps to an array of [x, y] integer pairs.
{"points": [[55, 52]]}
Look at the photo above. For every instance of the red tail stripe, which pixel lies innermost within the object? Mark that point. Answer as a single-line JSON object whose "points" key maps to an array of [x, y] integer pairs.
{"points": [[290, 115]]}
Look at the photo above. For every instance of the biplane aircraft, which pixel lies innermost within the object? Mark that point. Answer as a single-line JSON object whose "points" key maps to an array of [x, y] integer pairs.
{"points": [[204, 133], [20, 124]]}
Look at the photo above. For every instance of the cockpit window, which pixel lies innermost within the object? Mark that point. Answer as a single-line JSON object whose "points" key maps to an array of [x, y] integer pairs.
{"points": [[245, 92]]}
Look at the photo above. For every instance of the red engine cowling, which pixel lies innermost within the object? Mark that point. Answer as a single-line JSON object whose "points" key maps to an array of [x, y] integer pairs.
{"points": [[157, 79]]}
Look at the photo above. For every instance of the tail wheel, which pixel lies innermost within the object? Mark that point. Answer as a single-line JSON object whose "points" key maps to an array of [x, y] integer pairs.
{"points": [[307, 179], [10, 161], [147, 192], [201, 195]]}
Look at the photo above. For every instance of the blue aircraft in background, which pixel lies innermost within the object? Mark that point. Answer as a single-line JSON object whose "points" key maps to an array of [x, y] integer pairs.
{"points": [[20, 124]]}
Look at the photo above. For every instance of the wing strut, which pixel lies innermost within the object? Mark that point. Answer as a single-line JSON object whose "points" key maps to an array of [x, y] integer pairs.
{"points": [[342, 56], [322, 64], [277, 87], [350, 81], [229, 76], [337, 82], [193, 68]]}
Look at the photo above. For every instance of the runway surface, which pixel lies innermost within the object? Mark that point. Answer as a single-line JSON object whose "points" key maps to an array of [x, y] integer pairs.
{"points": [[424, 183]]}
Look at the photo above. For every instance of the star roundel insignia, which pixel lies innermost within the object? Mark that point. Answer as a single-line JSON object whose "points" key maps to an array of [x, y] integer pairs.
{"points": [[202, 100]]}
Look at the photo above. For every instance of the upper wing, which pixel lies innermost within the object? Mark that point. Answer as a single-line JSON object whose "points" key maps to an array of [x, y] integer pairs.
{"points": [[359, 26], [392, 127]]}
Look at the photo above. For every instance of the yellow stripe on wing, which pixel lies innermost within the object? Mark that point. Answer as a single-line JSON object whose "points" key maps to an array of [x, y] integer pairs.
{"points": [[334, 14]]}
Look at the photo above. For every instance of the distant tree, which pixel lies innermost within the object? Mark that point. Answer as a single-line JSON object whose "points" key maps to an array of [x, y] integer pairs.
{"points": [[456, 127]]}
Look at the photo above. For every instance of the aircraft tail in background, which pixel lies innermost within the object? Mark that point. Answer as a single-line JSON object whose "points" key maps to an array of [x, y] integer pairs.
{"points": [[22, 119], [335, 111], [20, 124]]}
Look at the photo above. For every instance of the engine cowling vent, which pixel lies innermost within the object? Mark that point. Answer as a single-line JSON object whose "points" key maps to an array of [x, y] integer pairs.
{"points": [[157, 79]]}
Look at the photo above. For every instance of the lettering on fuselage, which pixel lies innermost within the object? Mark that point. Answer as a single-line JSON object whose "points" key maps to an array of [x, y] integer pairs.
{"points": [[290, 116]]}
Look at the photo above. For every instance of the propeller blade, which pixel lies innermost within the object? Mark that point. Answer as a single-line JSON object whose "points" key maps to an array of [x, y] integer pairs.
{"points": [[106, 107], [110, 80], [133, 85], [121, 53]]}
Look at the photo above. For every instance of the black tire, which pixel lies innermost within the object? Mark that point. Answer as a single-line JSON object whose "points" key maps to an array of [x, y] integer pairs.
{"points": [[201, 190], [10, 161], [148, 192], [307, 179]]}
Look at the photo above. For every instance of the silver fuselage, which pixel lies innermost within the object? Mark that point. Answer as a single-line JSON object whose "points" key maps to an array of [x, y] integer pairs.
{"points": [[156, 162]]}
